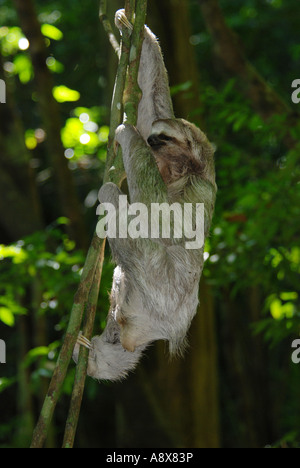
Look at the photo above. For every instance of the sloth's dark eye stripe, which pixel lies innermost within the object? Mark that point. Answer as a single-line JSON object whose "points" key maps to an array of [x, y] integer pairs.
{"points": [[164, 137]]}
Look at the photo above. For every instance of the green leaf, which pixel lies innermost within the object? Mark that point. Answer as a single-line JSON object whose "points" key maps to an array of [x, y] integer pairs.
{"points": [[63, 221], [181, 87], [54, 65], [289, 296], [7, 317], [103, 134], [30, 139], [35, 354], [9, 303], [280, 311], [5, 383], [10, 40], [52, 32], [23, 68], [12, 251], [64, 94]]}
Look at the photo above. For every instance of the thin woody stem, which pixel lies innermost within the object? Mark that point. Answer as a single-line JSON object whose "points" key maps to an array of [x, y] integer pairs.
{"points": [[60, 371], [116, 119], [133, 92], [81, 368], [107, 26], [114, 170], [87, 294]]}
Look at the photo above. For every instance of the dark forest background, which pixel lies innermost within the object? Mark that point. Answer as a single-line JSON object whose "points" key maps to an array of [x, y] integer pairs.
{"points": [[231, 65]]}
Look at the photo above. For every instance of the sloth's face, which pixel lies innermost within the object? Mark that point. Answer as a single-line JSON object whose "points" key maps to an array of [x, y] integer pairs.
{"points": [[181, 149]]}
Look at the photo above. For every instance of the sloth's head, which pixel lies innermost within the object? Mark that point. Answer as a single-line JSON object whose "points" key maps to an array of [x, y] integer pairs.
{"points": [[181, 149]]}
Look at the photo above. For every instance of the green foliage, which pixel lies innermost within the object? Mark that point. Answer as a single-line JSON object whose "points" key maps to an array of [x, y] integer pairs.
{"points": [[23, 68], [84, 135], [254, 241], [6, 383], [258, 205], [255, 21], [64, 94], [45, 257], [52, 32], [38, 278], [10, 40]]}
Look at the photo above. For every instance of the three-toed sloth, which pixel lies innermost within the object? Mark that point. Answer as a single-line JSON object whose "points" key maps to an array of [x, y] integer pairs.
{"points": [[155, 284]]}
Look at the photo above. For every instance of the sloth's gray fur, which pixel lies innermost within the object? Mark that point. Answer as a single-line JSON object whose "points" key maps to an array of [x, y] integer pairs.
{"points": [[155, 285]]}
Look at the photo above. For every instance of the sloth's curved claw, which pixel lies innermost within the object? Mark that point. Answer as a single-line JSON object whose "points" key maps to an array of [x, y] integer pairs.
{"points": [[121, 20], [83, 341]]}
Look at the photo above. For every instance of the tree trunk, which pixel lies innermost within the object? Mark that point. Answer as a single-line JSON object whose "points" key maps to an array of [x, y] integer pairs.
{"points": [[20, 210], [170, 21], [51, 118]]}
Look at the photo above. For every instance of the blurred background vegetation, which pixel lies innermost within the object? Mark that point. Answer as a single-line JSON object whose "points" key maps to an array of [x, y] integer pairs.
{"points": [[231, 65]]}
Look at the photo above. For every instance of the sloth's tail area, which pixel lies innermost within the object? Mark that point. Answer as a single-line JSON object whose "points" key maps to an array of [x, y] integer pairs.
{"points": [[108, 360]]}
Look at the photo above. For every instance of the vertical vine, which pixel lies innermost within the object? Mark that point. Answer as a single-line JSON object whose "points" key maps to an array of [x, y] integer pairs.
{"points": [[86, 297]]}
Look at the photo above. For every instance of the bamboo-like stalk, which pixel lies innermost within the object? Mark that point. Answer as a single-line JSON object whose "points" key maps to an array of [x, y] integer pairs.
{"points": [[87, 294], [117, 175], [60, 371], [107, 26], [81, 368], [133, 93]]}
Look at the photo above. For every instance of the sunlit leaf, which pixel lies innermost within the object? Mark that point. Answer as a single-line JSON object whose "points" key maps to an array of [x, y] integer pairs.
{"points": [[6, 383], [3, 31], [12, 251], [23, 68], [103, 133], [78, 141], [54, 65], [63, 221], [71, 132], [10, 39], [10, 303], [30, 140], [64, 94], [279, 310], [52, 32], [289, 296], [7, 317]]}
